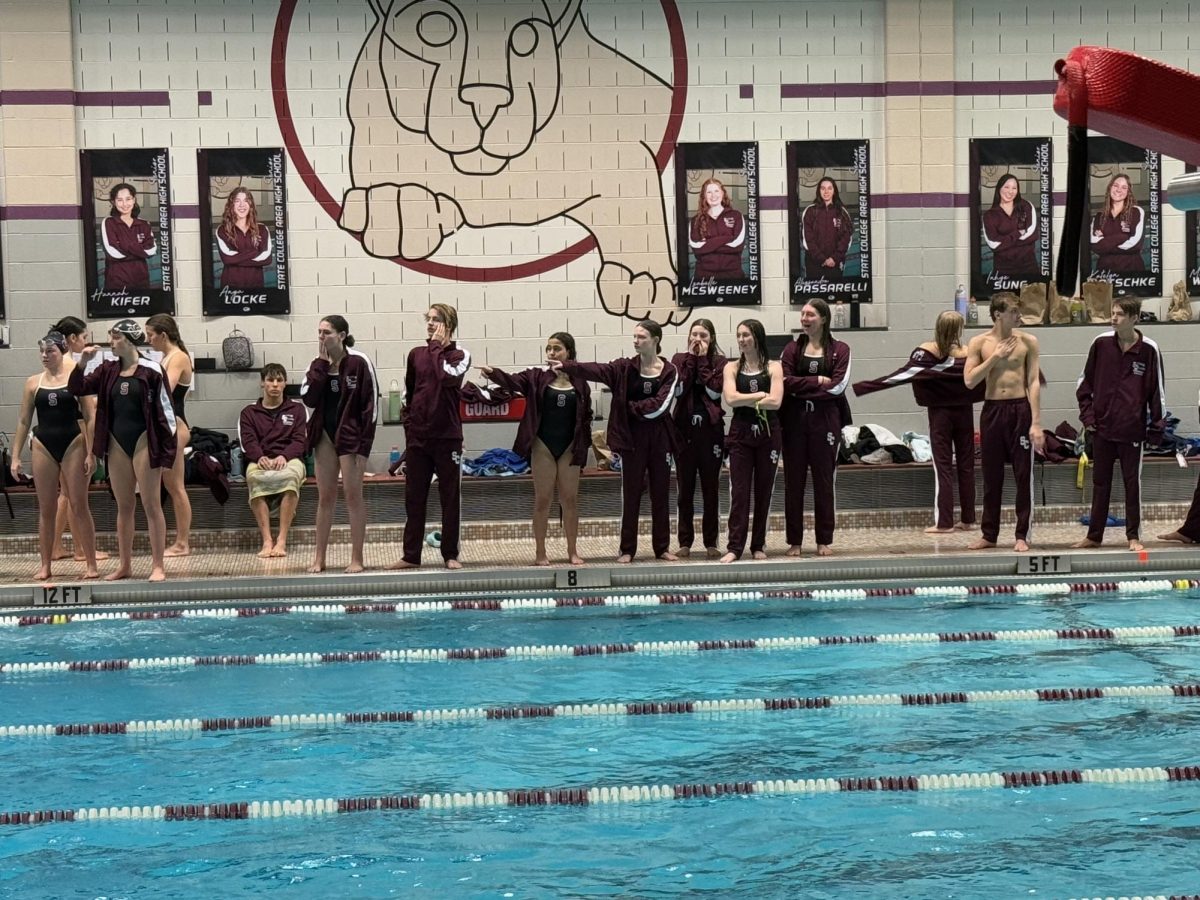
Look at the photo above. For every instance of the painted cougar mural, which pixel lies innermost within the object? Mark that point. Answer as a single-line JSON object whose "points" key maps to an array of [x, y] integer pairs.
{"points": [[463, 115]]}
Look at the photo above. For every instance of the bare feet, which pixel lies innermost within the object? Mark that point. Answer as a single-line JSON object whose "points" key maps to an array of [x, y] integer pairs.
{"points": [[317, 567], [279, 550], [157, 574], [91, 572], [354, 568], [1086, 544], [668, 557], [453, 564], [625, 559], [542, 560], [577, 560], [403, 564], [729, 557], [683, 552], [1176, 537], [794, 550], [981, 544], [824, 550], [759, 554], [934, 529], [60, 552], [712, 552], [267, 549], [178, 550], [1020, 545], [965, 526], [1135, 545], [79, 557], [121, 573], [43, 574]]}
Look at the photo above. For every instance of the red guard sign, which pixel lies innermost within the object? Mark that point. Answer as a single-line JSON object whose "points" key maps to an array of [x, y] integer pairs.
{"points": [[509, 411]]}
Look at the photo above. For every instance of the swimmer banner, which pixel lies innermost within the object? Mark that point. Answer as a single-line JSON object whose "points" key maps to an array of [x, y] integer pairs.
{"points": [[829, 220], [1011, 203], [716, 216], [1123, 241], [128, 249], [243, 232]]}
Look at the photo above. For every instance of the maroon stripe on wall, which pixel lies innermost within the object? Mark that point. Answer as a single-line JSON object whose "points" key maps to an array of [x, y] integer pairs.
{"points": [[827, 90], [775, 202], [83, 98]]}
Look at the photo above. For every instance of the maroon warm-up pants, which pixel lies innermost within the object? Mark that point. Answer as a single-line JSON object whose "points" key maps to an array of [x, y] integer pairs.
{"points": [[700, 454], [646, 465], [952, 439], [1004, 438], [1104, 454], [420, 464], [814, 446], [1191, 525], [753, 464]]}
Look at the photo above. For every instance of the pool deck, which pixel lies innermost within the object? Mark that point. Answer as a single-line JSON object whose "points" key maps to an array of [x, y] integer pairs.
{"points": [[881, 555]]}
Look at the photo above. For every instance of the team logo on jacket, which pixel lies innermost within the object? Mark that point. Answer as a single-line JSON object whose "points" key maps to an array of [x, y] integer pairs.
{"points": [[124, 388], [1139, 368], [288, 419], [351, 382], [562, 401], [729, 221]]}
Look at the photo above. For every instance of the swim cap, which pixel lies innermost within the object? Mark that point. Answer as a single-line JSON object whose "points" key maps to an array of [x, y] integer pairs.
{"points": [[55, 338], [131, 329]]}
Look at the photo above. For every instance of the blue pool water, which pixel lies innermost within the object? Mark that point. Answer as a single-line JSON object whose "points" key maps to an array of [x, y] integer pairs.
{"points": [[1072, 840]]}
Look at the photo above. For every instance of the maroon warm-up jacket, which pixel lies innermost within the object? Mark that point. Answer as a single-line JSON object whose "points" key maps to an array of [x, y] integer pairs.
{"points": [[281, 431]]}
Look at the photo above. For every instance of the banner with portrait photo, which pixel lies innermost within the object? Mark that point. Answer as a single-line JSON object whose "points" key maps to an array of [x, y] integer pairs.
{"points": [[1122, 243], [128, 249], [1191, 247], [243, 232], [829, 220], [716, 216], [1011, 200]]}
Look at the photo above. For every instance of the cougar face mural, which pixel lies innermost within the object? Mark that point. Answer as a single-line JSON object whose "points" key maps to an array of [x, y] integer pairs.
{"points": [[477, 114]]}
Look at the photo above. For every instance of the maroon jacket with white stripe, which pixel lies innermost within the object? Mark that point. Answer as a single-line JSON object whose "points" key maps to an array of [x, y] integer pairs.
{"points": [[356, 408], [1122, 394], [282, 431], [433, 381], [627, 407], [936, 380]]}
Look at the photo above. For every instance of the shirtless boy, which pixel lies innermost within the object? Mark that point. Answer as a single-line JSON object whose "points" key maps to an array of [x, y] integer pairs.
{"points": [[1010, 424]]}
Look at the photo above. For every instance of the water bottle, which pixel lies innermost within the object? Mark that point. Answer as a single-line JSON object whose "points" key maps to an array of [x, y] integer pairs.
{"points": [[972, 312], [960, 301], [1077, 308], [393, 402], [393, 456], [236, 462], [841, 315]]}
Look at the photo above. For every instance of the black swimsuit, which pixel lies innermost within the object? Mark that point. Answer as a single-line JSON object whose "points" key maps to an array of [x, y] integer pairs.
{"points": [[559, 411], [332, 407], [58, 416], [127, 419], [177, 397]]}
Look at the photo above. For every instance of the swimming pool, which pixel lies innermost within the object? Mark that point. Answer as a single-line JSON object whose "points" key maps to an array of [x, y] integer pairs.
{"points": [[728, 743]]}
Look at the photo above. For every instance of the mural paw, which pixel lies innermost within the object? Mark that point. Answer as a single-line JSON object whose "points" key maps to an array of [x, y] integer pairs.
{"points": [[400, 220], [638, 296]]}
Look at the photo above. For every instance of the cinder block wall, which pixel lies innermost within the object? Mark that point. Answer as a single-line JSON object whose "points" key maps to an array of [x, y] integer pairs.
{"points": [[73, 73]]}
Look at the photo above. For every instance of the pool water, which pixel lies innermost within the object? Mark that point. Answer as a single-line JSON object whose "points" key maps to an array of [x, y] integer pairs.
{"points": [[1069, 840]]}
